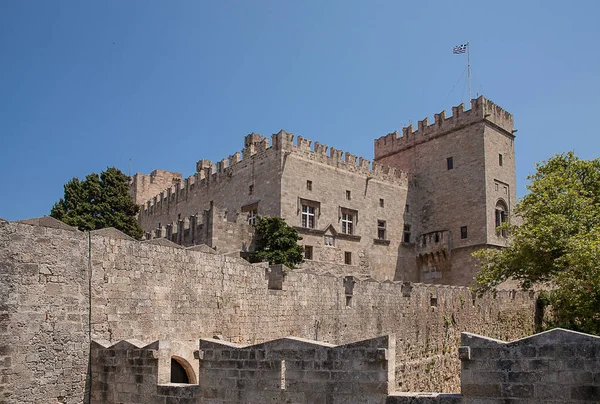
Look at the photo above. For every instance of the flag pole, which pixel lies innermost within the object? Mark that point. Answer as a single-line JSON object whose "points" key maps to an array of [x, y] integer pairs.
{"points": [[469, 68]]}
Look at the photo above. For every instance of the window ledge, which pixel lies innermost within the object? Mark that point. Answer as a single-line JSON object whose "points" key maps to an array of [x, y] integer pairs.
{"points": [[308, 230], [381, 242], [350, 237]]}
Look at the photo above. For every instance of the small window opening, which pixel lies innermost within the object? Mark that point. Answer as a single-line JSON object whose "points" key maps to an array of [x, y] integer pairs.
{"points": [[309, 185], [463, 232], [348, 195], [406, 233], [179, 216], [381, 230], [407, 208], [500, 160], [308, 252], [433, 299], [348, 301], [347, 258], [250, 189], [437, 238], [178, 373], [496, 186], [450, 163], [381, 203], [283, 374]]}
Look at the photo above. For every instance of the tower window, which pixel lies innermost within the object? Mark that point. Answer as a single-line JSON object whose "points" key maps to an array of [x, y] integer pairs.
{"points": [[450, 163], [381, 230], [406, 238], [308, 252], [500, 160], [309, 185], [348, 195], [381, 202], [250, 189], [501, 213], [463, 232]]}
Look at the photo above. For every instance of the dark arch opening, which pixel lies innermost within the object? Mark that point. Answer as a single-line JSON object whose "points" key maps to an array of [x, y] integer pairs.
{"points": [[178, 373]]}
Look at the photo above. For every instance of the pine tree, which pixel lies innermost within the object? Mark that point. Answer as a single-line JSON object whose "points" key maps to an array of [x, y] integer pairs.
{"points": [[99, 201]]}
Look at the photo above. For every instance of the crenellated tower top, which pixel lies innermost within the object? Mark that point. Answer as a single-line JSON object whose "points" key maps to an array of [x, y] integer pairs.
{"points": [[482, 110]]}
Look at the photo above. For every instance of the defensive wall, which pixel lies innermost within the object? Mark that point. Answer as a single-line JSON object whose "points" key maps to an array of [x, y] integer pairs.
{"points": [[61, 288], [554, 367]]}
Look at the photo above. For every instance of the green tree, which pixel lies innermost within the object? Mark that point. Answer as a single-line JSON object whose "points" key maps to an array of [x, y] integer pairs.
{"points": [[558, 242], [277, 243], [99, 201]]}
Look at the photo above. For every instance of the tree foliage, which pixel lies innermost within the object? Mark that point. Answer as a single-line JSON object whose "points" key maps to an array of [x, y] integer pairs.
{"points": [[558, 242], [277, 243], [97, 202]]}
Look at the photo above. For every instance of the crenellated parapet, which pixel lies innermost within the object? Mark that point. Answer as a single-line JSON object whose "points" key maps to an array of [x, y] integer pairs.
{"points": [[482, 110], [257, 148], [321, 153]]}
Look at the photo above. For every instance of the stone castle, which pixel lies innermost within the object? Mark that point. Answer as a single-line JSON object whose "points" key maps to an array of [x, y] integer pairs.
{"points": [[97, 317], [431, 197]]}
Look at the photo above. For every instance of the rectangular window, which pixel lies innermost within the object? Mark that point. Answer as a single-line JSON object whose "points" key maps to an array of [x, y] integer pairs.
{"points": [[308, 216], [309, 185], [308, 252], [252, 215], [347, 222], [347, 258], [500, 160], [463, 232], [250, 189], [407, 208], [381, 203], [348, 195], [381, 230], [406, 238], [450, 163]]}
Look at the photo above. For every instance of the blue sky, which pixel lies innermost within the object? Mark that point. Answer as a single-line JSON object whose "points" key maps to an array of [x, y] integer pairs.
{"points": [[86, 85]]}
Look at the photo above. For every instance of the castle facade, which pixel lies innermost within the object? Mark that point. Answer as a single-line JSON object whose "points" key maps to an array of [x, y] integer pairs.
{"points": [[429, 199]]}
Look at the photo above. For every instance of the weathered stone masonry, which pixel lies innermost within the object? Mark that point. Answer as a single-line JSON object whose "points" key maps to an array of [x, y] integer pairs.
{"points": [[151, 292]]}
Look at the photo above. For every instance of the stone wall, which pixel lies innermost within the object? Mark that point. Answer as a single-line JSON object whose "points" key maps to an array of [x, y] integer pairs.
{"points": [[44, 318], [556, 366], [154, 292], [288, 370]]}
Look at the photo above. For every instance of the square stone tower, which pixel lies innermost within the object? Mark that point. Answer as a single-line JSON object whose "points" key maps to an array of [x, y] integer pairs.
{"points": [[462, 186]]}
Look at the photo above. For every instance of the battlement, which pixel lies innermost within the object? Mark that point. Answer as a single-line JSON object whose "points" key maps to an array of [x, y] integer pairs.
{"points": [[258, 148], [481, 110], [331, 156]]}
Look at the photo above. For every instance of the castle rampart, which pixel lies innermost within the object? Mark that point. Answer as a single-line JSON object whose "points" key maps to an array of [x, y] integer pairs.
{"points": [[481, 109], [145, 291]]}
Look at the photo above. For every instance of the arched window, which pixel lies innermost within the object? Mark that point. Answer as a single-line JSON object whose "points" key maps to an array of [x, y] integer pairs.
{"points": [[501, 216], [179, 374]]}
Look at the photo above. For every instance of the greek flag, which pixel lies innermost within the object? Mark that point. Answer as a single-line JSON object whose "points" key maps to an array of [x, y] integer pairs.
{"points": [[457, 50]]}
